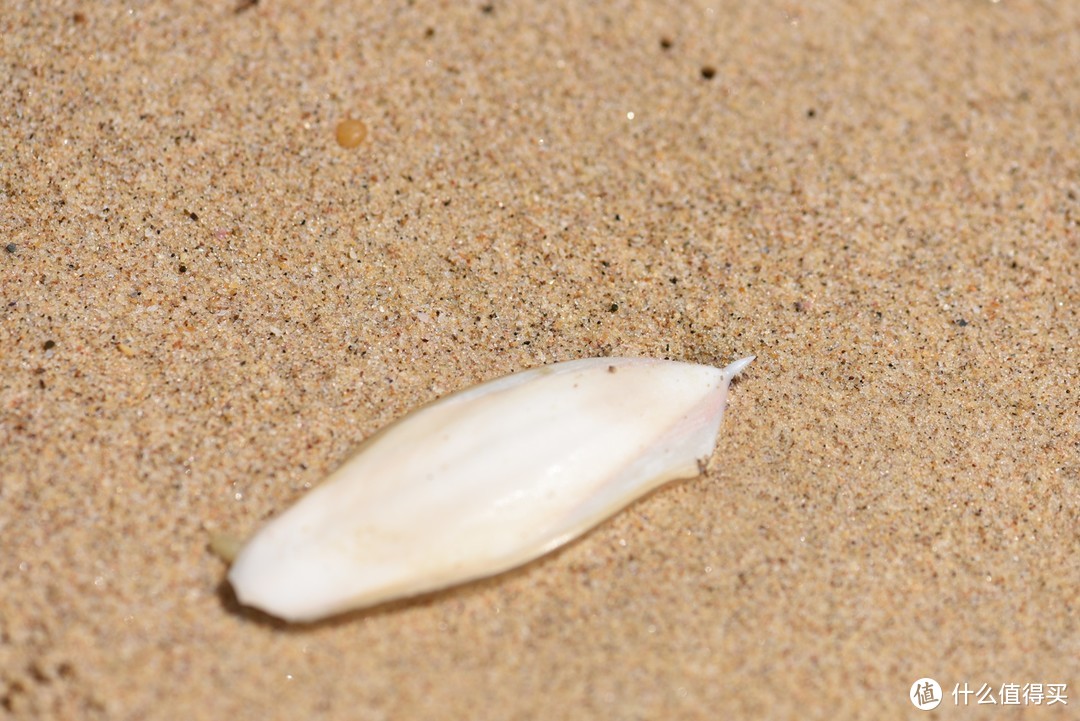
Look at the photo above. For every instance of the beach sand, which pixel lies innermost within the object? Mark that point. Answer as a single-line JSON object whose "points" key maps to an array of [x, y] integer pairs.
{"points": [[207, 302]]}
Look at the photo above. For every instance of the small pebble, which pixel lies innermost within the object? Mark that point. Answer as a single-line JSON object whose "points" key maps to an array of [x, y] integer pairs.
{"points": [[350, 133], [10, 247]]}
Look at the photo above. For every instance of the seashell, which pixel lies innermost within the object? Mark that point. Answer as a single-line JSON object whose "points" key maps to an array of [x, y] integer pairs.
{"points": [[484, 480]]}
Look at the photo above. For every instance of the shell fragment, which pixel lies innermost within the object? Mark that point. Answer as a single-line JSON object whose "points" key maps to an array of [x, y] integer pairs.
{"points": [[484, 480]]}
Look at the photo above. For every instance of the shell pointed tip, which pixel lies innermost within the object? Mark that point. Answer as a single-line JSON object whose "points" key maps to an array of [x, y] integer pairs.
{"points": [[737, 367]]}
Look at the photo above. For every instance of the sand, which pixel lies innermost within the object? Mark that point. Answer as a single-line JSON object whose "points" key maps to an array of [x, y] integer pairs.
{"points": [[207, 302]]}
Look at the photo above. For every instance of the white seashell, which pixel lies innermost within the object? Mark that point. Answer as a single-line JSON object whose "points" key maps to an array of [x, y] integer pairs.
{"points": [[484, 480]]}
